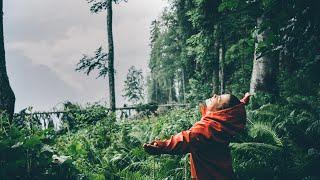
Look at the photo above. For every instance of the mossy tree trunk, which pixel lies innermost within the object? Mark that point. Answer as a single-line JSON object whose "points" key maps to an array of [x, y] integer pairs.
{"points": [[264, 72]]}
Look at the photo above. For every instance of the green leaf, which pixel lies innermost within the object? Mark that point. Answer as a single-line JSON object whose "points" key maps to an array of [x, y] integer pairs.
{"points": [[32, 142]]}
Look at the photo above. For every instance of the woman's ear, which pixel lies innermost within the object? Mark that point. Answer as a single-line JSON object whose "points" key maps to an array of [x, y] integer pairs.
{"points": [[202, 109]]}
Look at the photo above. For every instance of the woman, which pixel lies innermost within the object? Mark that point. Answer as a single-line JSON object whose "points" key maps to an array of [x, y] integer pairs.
{"points": [[208, 140]]}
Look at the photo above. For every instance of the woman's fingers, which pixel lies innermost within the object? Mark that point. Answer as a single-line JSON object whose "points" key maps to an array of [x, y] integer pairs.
{"points": [[151, 149], [149, 146]]}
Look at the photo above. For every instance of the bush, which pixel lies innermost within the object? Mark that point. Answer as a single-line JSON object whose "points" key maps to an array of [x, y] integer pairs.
{"points": [[24, 154]]}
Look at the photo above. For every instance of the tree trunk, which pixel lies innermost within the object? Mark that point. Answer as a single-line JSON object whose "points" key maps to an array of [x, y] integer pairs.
{"points": [[264, 70], [221, 63], [7, 97], [156, 89], [215, 75], [170, 90], [111, 57], [184, 86]]}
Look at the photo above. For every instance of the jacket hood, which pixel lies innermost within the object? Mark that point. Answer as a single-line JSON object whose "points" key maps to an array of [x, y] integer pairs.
{"points": [[224, 124]]}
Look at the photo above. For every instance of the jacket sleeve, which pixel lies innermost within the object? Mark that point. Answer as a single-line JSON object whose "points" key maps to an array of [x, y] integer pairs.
{"points": [[180, 143]]}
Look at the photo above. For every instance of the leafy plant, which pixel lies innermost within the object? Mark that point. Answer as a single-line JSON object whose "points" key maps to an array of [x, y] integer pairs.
{"points": [[134, 85], [24, 154]]}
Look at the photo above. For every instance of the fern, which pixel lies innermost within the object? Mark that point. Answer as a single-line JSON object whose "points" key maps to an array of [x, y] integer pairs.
{"points": [[264, 133], [256, 160], [313, 133], [314, 128]]}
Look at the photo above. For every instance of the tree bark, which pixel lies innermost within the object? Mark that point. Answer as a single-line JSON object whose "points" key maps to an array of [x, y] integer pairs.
{"points": [[184, 86], [171, 89], [7, 97], [215, 75], [156, 89], [221, 63], [264, 70], [111, 57]]}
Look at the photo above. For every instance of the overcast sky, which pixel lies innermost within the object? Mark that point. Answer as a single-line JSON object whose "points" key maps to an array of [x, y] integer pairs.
{"points": [[45, 39]]}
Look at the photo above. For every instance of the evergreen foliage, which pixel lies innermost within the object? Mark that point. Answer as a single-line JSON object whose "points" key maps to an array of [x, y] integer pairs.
{"points": [[204, 45], [133, 85]]}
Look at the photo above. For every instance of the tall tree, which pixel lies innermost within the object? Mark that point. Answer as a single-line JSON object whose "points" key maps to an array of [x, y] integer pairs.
{"points": [[184, 30], [164, 59], [222, 50], [154, 90], [215, 64], [97, 6], [264, 69], [203, 44], [112, 91], [7, 97]]}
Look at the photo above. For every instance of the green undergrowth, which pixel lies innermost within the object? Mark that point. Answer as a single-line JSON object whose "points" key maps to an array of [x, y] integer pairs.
{"points": [[280, 142], [113, 149]]}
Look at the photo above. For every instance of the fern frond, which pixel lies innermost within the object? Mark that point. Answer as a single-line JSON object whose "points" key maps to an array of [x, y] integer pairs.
{"points": [[264, 133]]}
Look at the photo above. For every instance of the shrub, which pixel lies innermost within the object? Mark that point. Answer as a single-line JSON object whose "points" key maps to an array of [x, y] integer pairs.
{"points": [[24, 154]]}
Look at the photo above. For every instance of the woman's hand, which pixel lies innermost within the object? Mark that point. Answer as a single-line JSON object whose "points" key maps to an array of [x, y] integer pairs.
{"points": [[246, 98], [152, 148]]}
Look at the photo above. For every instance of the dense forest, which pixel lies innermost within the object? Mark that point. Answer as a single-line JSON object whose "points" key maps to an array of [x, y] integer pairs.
{"points": [[203, 47], [198, 48]]}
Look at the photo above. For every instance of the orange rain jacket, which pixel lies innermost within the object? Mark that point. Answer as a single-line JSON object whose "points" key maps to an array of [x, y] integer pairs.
{"points": [[208, 142]]}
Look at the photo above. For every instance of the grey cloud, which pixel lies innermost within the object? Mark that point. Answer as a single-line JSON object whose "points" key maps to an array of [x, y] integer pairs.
{"points": [[34, 20], [36, 85], [58, 29]]}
